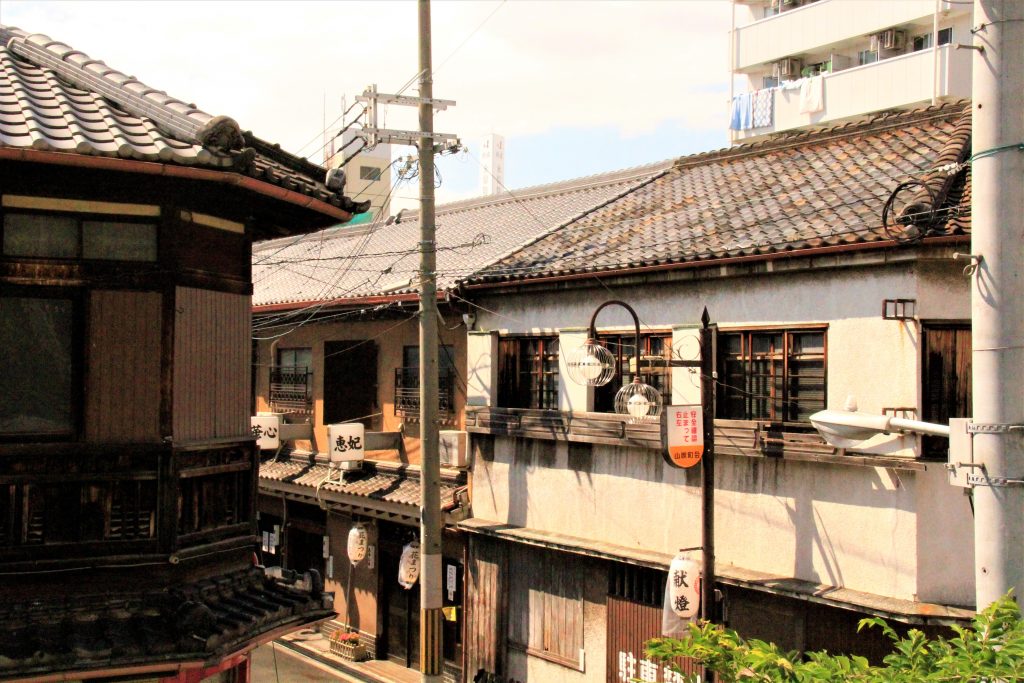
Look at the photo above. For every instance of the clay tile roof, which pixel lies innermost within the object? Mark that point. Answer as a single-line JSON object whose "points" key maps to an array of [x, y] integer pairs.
{"points": [[372, 482], [814, 189], [122, 629], [382, 259], [56, 99]]}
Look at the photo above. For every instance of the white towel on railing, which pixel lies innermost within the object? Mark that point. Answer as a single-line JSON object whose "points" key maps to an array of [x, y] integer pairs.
{"points": [[812, 95]]}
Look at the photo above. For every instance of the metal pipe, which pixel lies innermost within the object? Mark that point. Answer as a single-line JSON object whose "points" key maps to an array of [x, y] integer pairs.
{"points": [[903, 424], [997, 217]]}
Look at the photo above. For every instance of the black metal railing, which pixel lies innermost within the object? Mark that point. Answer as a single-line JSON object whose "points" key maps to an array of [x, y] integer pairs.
{"points": [[407, 392], [291, 388]]}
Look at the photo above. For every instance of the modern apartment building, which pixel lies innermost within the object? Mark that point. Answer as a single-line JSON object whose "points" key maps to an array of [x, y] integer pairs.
{"points": [[797, 64]]}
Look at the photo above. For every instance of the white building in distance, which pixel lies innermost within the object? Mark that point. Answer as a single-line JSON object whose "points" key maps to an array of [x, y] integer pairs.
{"points": [[492, 164], [804, 63]]}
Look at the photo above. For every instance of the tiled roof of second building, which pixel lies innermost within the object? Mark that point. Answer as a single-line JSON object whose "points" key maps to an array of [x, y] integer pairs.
{"points": [[817, 189]]}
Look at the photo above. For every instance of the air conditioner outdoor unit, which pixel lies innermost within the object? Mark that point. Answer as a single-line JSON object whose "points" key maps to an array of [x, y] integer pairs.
{"points": [[453, 445], [788, 68], [893, 39]]}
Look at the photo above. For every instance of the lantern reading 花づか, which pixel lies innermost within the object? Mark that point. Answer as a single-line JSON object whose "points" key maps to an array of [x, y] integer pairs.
{"points": [[357, 542], [409, 565]]}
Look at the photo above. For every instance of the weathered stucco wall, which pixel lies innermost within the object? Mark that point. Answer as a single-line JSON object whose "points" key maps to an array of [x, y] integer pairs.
{"points": [[390, 336], [898, 533]]}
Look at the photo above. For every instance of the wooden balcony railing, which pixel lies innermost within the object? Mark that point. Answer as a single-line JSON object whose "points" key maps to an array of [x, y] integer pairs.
{"points": [[68, 504], [748, 438]]}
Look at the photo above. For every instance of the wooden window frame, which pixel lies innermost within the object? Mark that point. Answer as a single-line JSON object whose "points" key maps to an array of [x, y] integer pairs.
{"points": [[542, 380], [746, 357], [80, 219], [604, 396], [77, 299]]}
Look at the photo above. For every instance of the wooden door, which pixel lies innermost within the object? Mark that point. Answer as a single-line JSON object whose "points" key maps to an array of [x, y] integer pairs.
{"points": [[350, 381], [945, 378], [401, 628]]}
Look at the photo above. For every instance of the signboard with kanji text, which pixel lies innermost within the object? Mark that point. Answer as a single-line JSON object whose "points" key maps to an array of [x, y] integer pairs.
{"points": [[684, 435]]}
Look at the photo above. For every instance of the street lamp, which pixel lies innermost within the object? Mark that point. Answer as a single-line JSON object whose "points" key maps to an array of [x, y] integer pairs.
{"points": [[848, 428], [594, 365]]}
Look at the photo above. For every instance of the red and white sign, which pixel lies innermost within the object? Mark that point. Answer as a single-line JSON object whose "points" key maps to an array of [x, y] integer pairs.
{"points": [[684, 435]]}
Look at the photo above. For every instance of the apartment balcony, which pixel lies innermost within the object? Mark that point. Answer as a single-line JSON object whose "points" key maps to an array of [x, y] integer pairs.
{"points": [[813, 26], [897, 83]]}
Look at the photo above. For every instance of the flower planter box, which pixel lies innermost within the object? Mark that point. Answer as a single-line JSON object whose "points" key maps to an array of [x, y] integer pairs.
{"points": [[353, 651]]}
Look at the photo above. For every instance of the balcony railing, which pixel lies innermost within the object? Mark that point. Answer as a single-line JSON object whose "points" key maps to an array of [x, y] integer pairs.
{"points": [[407, 392], [291, 389], [895, 83], [813, 26], [69, 504]]}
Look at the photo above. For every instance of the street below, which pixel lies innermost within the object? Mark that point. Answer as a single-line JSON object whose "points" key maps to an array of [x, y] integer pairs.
{"points": [[272, 663]]}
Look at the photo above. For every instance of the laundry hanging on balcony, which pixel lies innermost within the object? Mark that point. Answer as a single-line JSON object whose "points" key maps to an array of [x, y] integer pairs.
{"points": [[812, 95], [752, 110], [761, 106]]}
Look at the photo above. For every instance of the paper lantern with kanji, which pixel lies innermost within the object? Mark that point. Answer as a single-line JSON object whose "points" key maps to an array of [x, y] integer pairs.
{"points": [[357, 542], [684, 586], [409, 565]]}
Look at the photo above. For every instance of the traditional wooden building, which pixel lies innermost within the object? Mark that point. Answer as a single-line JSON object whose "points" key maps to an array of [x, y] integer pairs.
{"points": [[576, 514], [335, 314], [127, 466]]}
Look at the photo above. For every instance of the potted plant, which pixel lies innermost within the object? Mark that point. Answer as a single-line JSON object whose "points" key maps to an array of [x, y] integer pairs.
{"points": [[346, 645]]}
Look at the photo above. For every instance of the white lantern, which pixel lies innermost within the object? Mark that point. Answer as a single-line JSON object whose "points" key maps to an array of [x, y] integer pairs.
{"points": [[640, 401], [409, 565], [590, 365], [683, 590], [357, 542]]}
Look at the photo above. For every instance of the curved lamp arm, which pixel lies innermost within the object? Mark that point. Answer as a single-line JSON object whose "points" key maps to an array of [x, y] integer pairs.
{"points": [[636, 322]]}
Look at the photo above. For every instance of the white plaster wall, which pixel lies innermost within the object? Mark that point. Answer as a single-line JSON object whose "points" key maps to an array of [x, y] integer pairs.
{"points": [[838, 525], [481, 368], [859, 527], [945, 541]]}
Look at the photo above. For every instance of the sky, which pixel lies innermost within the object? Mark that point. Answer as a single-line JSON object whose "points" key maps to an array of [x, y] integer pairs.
{"points": [[576, 87]]}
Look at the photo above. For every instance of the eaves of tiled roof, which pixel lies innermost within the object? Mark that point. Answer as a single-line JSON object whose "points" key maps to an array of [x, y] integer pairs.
{"points": [[374, 482], [59, 106], [379, 262], [126, 633], [816, 190]]}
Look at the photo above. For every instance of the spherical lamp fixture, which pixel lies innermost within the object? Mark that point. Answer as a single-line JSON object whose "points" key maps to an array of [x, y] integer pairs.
{"points": [[591, 365], [640, 401]]}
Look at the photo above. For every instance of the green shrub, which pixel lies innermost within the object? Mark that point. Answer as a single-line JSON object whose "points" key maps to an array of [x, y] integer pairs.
{"points": [[990, 650]]}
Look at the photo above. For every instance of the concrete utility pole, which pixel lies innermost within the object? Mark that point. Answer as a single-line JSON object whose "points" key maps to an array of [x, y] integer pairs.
{"points": [[997, 293], [431, 597]]}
